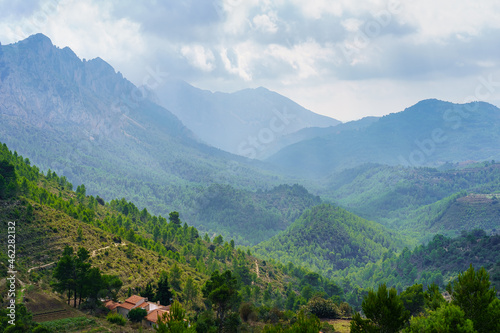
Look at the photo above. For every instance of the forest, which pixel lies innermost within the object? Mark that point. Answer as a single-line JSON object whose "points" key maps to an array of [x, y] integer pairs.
{"points": [[217, 286]]}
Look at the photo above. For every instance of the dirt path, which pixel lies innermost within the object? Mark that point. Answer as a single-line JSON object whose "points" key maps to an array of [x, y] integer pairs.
{"points": [[257, 268], [42, 266], [94, 253]]}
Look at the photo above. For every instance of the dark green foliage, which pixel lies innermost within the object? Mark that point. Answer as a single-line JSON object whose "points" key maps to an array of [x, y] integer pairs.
{"points": [[323, 308], [328, 238], [304, 323], [413, 299], [137, 314], [149, 293], [221, 290], [76, 277], [163, 293], [23, 320], [384, 310], [472, 293]]}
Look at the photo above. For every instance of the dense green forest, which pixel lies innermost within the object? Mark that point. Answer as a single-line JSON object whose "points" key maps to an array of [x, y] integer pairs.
{"points": [[130, 244], [251, 217], [437, 262], [328, 238], [411, 200]]}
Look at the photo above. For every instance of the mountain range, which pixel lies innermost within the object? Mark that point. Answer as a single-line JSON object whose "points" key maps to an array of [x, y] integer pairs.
{"points": [[247, 122], [430, 133]]}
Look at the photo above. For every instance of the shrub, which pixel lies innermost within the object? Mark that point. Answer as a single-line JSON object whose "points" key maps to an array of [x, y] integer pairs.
{"points": [[136, 315], [323, 308], [116, 318]]}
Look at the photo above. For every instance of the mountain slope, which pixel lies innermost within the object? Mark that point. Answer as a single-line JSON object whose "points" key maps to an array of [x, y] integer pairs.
{"points": [[327, 238], [121, 239], [413, 200], [229, 121], [429, 133], [438, 261], [85, 121]]}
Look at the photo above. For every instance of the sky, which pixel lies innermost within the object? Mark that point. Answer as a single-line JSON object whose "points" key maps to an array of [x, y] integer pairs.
{"points": [[341, 58]]}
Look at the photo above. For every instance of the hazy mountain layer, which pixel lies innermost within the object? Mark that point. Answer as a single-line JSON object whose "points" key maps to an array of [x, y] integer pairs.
{"points": [[430, 133], [247, 122]]}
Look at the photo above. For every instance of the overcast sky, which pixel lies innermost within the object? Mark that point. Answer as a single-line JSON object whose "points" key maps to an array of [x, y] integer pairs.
{"points": [[345, 59]]}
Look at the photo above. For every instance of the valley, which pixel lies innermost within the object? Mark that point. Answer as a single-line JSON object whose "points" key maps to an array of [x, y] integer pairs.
{"points": [[135, 187]]}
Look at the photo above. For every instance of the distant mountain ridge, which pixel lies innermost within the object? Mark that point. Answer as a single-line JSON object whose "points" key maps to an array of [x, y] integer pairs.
{"points": [[85, 121], [430, 133], [247, 122]]}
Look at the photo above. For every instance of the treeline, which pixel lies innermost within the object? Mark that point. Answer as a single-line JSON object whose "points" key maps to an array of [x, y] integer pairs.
{"points": [[76, 277], [436, 262], [473, 307]]}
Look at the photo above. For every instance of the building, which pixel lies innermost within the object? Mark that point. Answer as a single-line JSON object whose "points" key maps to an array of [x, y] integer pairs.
{"points": [[153, 309], [130, 303]]}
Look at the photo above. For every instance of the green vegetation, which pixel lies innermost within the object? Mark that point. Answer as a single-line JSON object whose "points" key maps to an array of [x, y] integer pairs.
{"points": [[327, 238], [416, 200], [436, 262], [116, 318], [384, 310], [251, 217], [123, 241], [473, 308]]}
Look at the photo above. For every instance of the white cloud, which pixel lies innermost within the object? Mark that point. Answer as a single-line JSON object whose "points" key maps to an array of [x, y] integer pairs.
{"points": [[199, 56], [265, 23]]}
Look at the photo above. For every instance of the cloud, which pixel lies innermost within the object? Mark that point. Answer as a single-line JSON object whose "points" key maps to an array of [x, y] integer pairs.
{"points": [[290, 46], [199, 57]]}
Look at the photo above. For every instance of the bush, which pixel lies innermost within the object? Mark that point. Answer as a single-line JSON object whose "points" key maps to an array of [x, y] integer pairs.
{"points": [[136, 315], [116, 318], [323, 308]]}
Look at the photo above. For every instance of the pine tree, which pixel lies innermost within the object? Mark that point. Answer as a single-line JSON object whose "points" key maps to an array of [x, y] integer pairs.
{"points": [[163, 293]]}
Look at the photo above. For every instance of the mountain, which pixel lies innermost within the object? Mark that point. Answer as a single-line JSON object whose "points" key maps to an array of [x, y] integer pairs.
{"points": [[438, 261], [415, 201], [250, 217], [83, 120], [126, 242], [430, 133], [327, 238], [246, 122]]}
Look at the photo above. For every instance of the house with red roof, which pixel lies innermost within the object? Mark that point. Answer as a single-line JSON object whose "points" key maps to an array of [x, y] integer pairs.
{"points": [[130, 303], [153, 309]]}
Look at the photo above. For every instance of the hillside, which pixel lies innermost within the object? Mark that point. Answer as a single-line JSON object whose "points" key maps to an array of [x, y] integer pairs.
{"points": [[327, 238], [438, 262], [250, 217], [229, 120], [430, 133], [129, 243], [84, 120], [411, 200]]}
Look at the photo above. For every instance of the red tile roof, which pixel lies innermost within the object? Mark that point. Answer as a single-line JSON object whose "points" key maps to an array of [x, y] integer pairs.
{"points": [[134, 299], [153, 315], [126, 305], [111, 305]]}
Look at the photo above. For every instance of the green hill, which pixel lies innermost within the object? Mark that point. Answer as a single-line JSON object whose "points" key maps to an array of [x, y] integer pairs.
{"points": [[250, 217], [430, 133], [130, 243], [412, 200], [438, 262], [327, 238]]}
